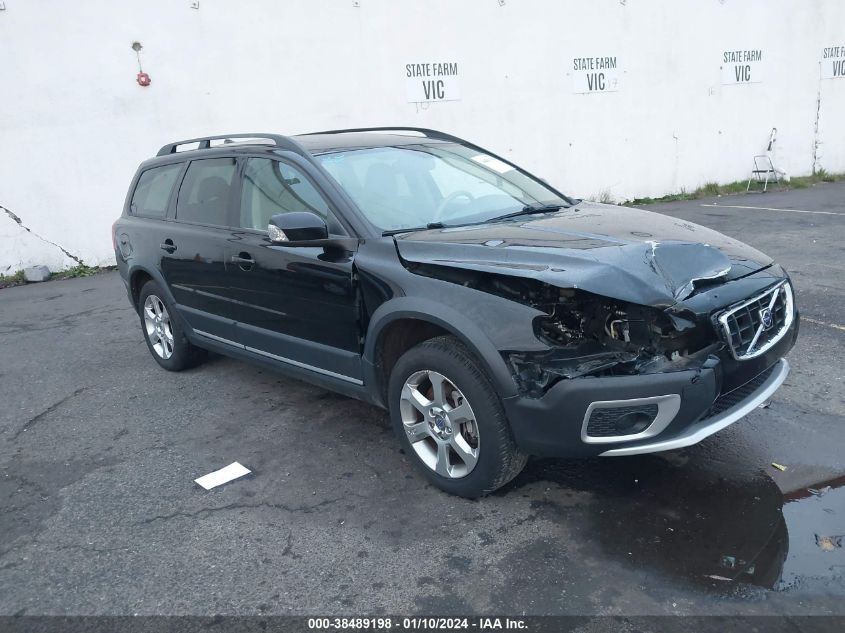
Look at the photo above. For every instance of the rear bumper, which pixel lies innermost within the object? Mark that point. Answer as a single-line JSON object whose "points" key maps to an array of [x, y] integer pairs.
{"points": [[691, 405]]}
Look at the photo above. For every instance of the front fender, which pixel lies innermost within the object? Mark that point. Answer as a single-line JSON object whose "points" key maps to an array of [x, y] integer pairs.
{"points": [[451, 320]]}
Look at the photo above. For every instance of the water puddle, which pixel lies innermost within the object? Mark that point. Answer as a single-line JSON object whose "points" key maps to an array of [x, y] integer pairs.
{"points": [[775, 530], [815, 517]]}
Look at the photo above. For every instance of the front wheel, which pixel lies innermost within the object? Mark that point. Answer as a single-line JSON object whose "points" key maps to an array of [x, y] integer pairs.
{"points": [[450, 420]]}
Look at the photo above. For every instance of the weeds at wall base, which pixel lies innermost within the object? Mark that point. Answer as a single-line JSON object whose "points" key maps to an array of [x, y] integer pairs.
{"points": [[80, 270], [7, 281]]}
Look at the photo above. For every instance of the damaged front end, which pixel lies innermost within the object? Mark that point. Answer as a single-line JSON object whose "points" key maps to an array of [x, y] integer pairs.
{"points": [[619, 340], [589, 335]]}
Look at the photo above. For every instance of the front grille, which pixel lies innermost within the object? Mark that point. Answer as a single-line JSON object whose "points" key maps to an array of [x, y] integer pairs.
{"points": [[753, 326], [741, 393], [615, 421]]}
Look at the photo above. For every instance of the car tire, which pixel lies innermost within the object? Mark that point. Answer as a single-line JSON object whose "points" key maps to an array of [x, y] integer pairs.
{"points": [[163, 331], [465, 451]]}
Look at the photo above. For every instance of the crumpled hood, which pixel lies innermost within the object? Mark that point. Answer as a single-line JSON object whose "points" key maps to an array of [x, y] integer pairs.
{"points": [[619, 252]]}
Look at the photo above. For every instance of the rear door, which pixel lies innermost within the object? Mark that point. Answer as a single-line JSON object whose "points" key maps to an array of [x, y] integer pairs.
{"points": [[194, 246], [145, 226], [298, 304]]}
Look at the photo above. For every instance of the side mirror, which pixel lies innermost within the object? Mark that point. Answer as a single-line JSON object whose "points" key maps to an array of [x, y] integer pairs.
{"points": [[294, 229]]}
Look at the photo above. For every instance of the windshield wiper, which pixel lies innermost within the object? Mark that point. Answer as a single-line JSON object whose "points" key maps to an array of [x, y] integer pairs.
{"points": [[530, 210], [526, 210], [430, 225]]}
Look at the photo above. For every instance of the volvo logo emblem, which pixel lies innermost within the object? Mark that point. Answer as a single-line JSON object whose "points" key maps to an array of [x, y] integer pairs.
{"points": [[767, 318]]}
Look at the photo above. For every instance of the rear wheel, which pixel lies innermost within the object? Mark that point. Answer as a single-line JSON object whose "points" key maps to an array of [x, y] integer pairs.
{"points": [[163, 333], [450, 420]]}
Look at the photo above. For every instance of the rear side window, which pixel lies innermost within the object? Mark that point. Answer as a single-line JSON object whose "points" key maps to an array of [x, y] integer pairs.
{"points": [[152, 193], [204, 194]]}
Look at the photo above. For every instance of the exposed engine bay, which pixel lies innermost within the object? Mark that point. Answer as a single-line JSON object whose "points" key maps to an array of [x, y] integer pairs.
{"points": [[590, 335]]}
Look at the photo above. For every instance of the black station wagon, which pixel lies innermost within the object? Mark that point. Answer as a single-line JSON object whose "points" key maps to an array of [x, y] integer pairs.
{"points": [[492, 315]]}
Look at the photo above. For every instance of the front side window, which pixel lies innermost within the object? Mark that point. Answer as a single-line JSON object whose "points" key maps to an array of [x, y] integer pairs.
{"points": [[204, 194], [414, 185], [271, 187], [152, 194]]}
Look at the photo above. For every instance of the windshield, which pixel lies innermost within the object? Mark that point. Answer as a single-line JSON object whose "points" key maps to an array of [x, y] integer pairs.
{"points": [[415, 185]]}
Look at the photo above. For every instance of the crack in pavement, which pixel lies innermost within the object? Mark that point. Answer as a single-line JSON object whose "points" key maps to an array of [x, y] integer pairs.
{"points": [[91, 548], [46, 412], [305, 509], [67, 320]]}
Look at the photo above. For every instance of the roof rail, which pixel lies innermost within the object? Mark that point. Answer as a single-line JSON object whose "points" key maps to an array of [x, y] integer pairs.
{"points": [[205, 142], [428, 133]]}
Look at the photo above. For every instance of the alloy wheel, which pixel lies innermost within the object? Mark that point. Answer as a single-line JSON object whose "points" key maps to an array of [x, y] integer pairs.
{"points": [[440, 424], [158, 327]]}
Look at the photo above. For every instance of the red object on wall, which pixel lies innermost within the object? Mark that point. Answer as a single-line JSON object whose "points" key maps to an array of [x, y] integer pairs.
{"points": [[143, 79]]}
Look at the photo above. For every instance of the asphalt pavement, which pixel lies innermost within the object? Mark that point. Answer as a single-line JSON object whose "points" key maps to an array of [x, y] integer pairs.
{"points": [[99, 448]]}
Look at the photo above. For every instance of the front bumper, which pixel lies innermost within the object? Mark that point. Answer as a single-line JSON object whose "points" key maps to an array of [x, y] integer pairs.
{"points": [[694, 433], [701, 402]]}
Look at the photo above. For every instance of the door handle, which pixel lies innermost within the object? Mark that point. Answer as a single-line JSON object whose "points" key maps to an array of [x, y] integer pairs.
{"points": [[168, 246], [244, 260]]}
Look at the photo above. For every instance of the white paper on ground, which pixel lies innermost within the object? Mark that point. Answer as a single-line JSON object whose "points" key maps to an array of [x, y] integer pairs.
{"points": [[218, 477]]}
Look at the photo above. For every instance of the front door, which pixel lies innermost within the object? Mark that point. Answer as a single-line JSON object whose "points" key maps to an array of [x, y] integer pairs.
{"points": [[298, 304]]}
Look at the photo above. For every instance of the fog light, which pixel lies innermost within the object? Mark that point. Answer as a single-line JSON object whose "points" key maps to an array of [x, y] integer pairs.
{"points": [[619, 421], [608, 421], [635, 422]]}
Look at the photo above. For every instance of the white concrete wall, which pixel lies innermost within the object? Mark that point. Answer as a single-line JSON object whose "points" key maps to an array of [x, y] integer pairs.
{"points": [[74, 123]]}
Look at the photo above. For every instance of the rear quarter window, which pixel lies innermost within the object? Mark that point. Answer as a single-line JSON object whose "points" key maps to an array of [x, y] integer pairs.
{"points": [[152, 193]]}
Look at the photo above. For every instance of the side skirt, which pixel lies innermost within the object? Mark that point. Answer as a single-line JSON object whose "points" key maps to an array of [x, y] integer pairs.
{"points": [[343, 385]]}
